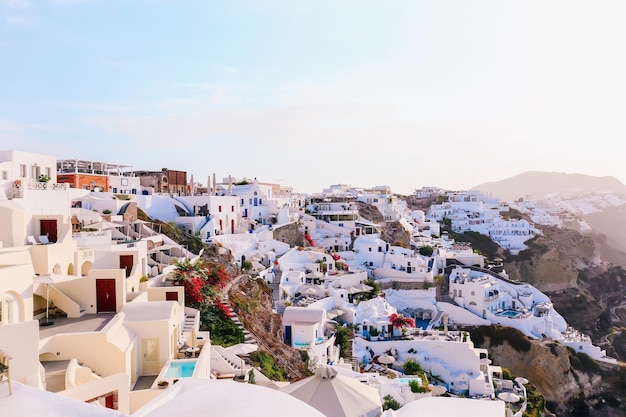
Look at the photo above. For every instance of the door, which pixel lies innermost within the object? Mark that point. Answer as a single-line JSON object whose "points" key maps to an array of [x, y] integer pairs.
{"points": [[48, 228], [105, 295], [126, 263], [288, 335], [171, 296], [150, 356]]}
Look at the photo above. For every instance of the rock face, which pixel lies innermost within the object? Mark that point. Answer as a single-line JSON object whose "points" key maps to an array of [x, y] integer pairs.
{"points": [[546, 365], [570, 390], [252, 301], [552, 261]]}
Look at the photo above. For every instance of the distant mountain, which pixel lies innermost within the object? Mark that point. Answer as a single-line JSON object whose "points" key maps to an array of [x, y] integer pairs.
{"points": [[605, 215], [536, 185]]}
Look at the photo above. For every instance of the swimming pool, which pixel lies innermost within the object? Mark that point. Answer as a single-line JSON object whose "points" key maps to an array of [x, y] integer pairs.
{"points": [[423, 324], [180, 369], [509, 313], [406, 380]]}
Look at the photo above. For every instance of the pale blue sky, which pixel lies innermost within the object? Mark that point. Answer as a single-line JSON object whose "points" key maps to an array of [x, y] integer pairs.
{"points": [[312, 93]]}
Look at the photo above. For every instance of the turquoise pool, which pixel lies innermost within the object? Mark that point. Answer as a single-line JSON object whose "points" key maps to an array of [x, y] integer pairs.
{"points": [[509, 313], [180, 369], [406, 380]]}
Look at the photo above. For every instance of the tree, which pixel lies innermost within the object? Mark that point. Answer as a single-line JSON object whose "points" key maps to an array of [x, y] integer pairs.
{"points": [[426, 250], [390, 403]]}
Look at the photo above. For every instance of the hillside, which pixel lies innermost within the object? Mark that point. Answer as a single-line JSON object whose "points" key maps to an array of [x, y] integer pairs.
{"points": [[538, 184]]}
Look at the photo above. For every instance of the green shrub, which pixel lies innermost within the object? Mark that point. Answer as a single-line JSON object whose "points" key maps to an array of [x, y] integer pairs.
{"points": [[268, 366], [412, 367], [390, 403]]}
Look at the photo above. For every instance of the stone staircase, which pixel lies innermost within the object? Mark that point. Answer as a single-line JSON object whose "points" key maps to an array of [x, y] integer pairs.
{"points": [[188, 324], [248, 338], [275, 285]]}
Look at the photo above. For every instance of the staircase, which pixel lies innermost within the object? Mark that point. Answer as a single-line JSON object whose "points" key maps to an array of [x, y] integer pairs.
{"points": [[275, 285], [248, 338], [188, 324]]}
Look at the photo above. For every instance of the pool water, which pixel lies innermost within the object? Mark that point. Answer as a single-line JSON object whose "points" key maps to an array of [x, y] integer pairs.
{"points": [[180, 370], [423, 324], [509, 313], [406, 380]]}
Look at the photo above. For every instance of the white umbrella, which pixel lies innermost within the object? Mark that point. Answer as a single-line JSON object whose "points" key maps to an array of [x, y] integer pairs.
{"points": [[521, 380], [242, 349], [386, 359], [48, 280], [509, 397], [336, 395]]}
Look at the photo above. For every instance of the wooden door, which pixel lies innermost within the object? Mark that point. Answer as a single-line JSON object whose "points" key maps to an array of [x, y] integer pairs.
{"points": [[126, 263], [171, 296], [49, 228], [105, 295], [150, 356]]}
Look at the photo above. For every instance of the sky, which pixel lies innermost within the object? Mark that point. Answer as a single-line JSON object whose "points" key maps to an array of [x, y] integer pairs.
{"points": [[313, 93]]}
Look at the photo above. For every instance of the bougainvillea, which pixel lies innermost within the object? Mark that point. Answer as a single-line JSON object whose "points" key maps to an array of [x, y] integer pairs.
{"points": [[202, 281], [398, 320]]}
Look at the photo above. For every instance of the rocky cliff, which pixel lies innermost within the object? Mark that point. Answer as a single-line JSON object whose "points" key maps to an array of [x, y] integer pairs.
{"points": [[572, 384]]}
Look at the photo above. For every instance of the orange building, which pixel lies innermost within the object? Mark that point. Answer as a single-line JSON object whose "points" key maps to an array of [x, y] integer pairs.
{"points": [[85, 181]]}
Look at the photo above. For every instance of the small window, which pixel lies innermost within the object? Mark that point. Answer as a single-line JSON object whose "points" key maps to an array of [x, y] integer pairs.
{"points": [[219, 209], [242, 201], [232, 208], [5, 175], [23, 170], [114, 190]]}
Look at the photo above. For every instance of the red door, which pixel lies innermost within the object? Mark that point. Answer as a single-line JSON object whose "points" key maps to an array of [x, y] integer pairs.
{"points": [[105, 295], [171, 296], [49, 228], [109, 402], [126, 262]]}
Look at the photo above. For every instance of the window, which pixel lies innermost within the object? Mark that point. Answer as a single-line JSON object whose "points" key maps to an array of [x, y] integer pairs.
{"points": [[124, 181], [242, 201], [232, 208], [48, 173], [22, 170], [114, 190], [219, 208], [5, 175]]}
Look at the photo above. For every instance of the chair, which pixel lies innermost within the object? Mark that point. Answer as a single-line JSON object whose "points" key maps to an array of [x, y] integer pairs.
{"points": [[4, 369], [31, 240], [43, 239]]}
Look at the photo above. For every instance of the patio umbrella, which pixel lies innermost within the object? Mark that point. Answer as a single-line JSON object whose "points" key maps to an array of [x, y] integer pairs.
{"points": [[509, 397], [193, 342], [48, 280], [242, 348], [336, 395], [386, 359], [521, 380]]}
